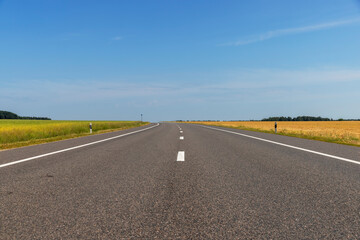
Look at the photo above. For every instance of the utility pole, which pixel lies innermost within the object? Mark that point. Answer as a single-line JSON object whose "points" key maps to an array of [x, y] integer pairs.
{"points": [[141, 117]]}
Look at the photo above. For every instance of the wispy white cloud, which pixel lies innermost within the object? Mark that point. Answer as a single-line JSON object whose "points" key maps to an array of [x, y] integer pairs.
{"points": [[284, 78], [326, 91], [117, 38], [241, 80], [289, 31]]}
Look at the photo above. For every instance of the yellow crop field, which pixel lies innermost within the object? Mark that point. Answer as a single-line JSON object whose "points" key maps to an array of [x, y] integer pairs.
{"points": [[17, 133], [344, 132]]}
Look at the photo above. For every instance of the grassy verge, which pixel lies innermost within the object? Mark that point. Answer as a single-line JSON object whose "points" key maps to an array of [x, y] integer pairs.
{"points": [[342, 132], [19, 133]]}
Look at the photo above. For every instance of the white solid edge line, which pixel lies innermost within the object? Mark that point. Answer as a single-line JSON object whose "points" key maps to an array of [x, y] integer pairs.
{"points": [[181, 156], [72, 148], [182, 138], [289, 146]]}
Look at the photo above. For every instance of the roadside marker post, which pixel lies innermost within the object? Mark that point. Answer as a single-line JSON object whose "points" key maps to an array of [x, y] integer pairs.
{"points": [[275, 127], [90, 128]]}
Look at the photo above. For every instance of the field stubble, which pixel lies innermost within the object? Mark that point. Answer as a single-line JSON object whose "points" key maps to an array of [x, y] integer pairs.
{"points": [[343, 132], [18, 133]]}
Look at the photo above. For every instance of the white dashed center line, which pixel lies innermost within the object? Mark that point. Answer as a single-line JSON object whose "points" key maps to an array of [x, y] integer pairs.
{"points": [[181, 156], [182, 138]]}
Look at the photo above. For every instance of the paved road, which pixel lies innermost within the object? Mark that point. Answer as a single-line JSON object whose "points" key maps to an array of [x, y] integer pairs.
{"points": [[228, 187]]}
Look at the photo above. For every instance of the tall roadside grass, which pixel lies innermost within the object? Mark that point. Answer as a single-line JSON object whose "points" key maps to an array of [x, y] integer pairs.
{"points": [[17, 133], [343, 132]]}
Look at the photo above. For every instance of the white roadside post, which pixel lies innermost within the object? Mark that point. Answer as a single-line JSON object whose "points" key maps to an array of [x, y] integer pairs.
{"points": [[90, 128]]}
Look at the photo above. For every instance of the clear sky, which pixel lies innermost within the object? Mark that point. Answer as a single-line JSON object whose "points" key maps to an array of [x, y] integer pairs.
{"points": [[180, 59]]}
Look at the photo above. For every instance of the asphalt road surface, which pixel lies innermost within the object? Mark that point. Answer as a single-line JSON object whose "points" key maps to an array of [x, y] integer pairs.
{"points": [[153, 184]]}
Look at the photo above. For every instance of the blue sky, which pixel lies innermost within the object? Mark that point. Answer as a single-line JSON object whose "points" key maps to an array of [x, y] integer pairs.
{"points": [[180, 59]]}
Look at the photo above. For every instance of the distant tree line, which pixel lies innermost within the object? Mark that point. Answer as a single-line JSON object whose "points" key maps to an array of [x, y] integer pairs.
{"points": [[10, 115], [277, 119], [299, 118]]}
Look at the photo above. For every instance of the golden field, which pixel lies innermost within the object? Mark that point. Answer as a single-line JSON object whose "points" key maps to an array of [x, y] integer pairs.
{"points": [[344, 132], [17, 133]]}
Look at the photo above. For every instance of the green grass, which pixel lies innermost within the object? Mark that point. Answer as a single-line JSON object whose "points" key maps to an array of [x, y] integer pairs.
{"points": [[18, 133]]}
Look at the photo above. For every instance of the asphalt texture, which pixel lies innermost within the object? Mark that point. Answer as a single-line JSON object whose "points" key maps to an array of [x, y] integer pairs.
{"points": [[228, 187]]}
